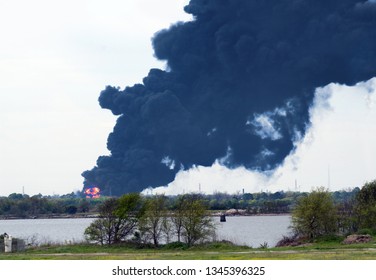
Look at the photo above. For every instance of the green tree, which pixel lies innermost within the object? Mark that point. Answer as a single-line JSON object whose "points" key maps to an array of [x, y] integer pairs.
{"points": [[118, 219], [83, 205], [102, 230], [154, 220], [315, 215], [177, 217], [195, 221], [17, 196], [71, 209], [365, 209], [347, 222]]}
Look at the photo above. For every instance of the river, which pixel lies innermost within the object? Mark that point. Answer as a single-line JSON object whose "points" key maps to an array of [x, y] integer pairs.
{"points": [[254, 230], [242, 230]]}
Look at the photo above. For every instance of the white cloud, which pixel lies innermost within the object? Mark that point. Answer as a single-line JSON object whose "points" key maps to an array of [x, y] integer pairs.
{"points": [[264, 127], [170, 163], [339, 144]]}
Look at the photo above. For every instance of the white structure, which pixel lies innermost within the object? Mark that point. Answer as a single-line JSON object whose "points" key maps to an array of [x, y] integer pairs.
{"points": [[8, 243]]}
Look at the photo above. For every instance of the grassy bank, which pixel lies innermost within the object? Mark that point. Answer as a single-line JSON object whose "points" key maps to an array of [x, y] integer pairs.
{"points": [[321, 250]]}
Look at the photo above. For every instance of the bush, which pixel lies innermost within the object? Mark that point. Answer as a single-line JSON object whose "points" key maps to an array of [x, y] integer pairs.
{"points": [[329, 238], [315, 215], [176, 245], [365, 231], [264, 245]]}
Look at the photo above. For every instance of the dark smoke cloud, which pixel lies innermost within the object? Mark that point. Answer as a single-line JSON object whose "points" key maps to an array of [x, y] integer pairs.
{"points": [[239, 82]]}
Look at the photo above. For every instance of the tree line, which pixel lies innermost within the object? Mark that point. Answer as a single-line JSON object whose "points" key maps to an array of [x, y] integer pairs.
{"points": [[18, 205], [25, 206]]}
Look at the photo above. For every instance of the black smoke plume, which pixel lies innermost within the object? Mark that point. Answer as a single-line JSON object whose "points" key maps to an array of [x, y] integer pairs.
{"points": [[239, 83]]}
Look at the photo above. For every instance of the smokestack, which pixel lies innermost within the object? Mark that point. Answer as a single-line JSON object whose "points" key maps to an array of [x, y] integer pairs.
{"points": [[240, 82]]}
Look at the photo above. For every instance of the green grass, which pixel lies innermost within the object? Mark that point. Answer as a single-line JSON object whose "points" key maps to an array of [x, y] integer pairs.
{"points": [[320, 250]]}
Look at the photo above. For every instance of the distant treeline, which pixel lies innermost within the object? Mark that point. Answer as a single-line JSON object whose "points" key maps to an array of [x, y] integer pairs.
{"points": [[18, 205], [24, 206]]}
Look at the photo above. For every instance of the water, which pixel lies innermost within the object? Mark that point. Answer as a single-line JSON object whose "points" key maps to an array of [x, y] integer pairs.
{"points": [[254, 230], [46, 230], [244, 230]]}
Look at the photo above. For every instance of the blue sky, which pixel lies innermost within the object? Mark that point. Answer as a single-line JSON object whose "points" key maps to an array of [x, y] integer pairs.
{"points": [[56, 58]]}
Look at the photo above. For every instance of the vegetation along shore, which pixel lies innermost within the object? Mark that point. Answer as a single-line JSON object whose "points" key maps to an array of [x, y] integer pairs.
{"points": [[325, 225]]}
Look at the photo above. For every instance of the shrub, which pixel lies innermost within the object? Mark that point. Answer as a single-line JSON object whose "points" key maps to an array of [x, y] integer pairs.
{"points": [[315, 215]]}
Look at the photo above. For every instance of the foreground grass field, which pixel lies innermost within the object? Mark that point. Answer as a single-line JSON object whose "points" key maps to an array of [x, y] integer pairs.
{"points": [[325, 250]]}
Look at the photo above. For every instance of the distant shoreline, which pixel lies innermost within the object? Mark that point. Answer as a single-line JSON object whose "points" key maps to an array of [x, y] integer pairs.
{"points": [[40, 217], [96, 215]]}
